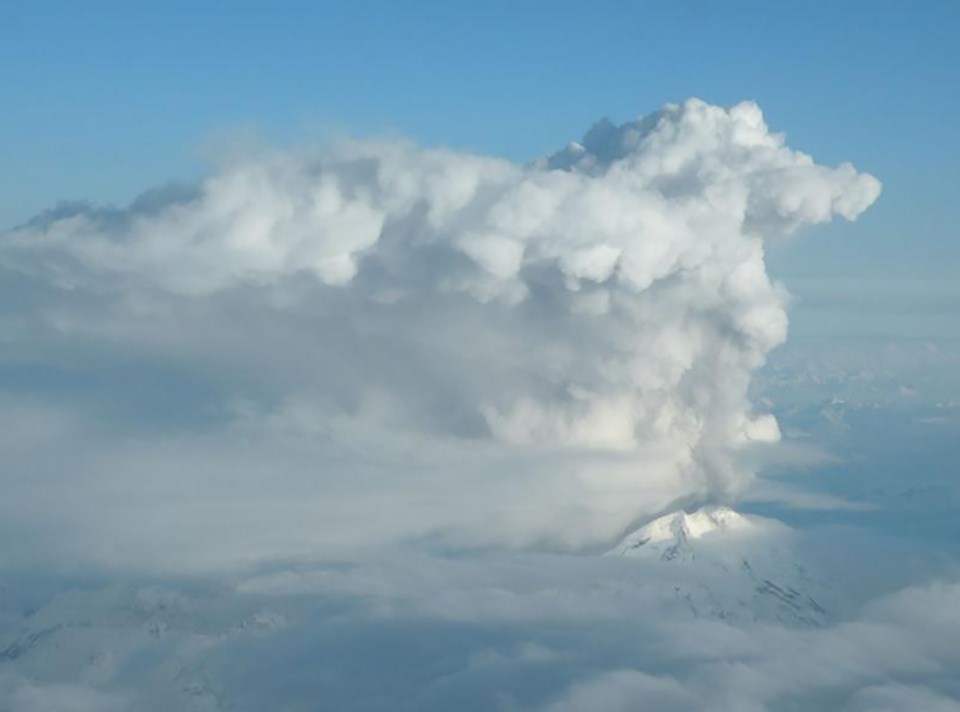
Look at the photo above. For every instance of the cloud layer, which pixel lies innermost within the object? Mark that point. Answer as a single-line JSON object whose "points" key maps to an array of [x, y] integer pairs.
{"points": [[515, 633]]}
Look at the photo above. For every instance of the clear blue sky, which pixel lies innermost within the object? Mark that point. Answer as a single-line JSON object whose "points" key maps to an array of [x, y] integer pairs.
{"points": [[103, 99]]}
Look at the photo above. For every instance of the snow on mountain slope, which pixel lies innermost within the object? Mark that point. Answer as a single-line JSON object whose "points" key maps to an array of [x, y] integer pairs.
{"points": [[718, 563], [89, 645]]}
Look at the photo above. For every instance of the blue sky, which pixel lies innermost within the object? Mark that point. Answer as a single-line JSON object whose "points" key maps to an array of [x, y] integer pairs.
{"points": [[104, 99]]}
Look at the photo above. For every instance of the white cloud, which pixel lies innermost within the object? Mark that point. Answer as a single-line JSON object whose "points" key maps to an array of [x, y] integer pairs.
{"points": [[435, 343], [627, 691]]}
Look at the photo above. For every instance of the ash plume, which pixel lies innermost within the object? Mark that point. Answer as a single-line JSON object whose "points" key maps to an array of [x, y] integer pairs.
{"points": [[435, 343]]}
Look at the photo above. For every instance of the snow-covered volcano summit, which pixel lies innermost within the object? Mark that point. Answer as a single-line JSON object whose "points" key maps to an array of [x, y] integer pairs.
{"points": [[722, 564], [670, 535]]}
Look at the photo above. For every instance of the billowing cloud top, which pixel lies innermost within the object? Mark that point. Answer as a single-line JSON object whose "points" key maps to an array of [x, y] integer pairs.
{"points": [[502, 354]]}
